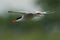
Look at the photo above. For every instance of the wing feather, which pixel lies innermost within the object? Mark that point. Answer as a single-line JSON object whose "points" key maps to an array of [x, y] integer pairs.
{"points": [[21, 13]]}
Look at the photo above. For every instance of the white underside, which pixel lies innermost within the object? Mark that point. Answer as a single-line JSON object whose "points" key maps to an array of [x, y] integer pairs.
{"points": [[37, 18]]}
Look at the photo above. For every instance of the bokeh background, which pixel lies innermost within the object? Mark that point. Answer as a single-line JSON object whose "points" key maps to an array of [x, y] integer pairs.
{"points": [[46, 29]]}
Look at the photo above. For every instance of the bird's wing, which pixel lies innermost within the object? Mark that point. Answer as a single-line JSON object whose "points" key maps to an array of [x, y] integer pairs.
{"points": [[21, 13]]}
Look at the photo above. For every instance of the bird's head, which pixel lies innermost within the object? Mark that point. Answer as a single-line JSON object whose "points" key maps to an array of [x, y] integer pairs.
{"points": [[18, 19]]}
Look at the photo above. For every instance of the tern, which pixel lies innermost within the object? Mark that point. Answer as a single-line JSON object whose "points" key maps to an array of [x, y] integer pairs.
{"points": [[28, 16]]}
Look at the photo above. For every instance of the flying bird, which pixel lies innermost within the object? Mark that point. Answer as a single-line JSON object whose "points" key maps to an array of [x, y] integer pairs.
{"points": [[28, 16]]}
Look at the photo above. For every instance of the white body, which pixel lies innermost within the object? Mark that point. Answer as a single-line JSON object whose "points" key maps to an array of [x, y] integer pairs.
{"points": [[37, 18]]}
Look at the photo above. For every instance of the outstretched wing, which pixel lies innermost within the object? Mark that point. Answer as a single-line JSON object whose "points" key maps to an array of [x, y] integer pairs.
{"points": [[21, 13]]}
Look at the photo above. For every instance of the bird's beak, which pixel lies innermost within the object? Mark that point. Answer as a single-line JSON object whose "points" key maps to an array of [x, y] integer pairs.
{"points": [[13, 21]]}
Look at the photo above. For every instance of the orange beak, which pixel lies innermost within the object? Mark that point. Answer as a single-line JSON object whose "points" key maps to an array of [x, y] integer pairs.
{"points": [[13, 21]]}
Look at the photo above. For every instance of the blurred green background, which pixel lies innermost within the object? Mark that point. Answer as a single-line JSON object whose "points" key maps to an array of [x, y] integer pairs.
{"points": [[46, 29]]}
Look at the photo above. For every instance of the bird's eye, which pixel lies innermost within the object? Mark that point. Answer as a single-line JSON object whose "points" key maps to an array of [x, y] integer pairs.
{"points": [[19, 17]]}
